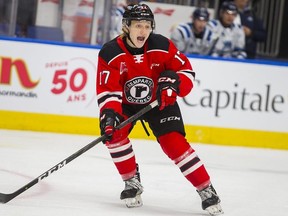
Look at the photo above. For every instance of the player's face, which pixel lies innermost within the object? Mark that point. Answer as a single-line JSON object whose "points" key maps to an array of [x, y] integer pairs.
{"points": [[139, 32], [199, 25], [228, 17]]}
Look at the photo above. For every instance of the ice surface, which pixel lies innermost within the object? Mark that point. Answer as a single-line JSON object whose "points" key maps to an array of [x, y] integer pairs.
{"points": [[250, 181]]}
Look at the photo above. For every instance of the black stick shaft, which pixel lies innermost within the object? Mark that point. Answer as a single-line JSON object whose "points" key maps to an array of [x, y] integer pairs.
{"points": [[4, 198]]}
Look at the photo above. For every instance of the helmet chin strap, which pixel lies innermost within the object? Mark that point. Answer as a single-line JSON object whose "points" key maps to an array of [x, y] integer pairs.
{"points": [[129, 38], [127, 33]]}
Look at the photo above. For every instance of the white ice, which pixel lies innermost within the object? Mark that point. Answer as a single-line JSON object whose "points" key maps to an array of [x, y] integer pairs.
{"points": [[250, 181]]}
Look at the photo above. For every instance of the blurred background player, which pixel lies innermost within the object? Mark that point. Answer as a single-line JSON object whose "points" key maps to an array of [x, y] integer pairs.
{"points": [[188, 37], [253, 27], [116, 20], [134, 69], [228, 37]]}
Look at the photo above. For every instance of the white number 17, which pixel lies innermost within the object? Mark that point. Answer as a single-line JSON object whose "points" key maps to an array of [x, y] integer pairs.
{"points": [[104, 76], [178, 57]]}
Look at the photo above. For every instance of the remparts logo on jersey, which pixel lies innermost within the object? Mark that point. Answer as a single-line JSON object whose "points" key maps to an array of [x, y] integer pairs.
{"points": [[139, 90]]}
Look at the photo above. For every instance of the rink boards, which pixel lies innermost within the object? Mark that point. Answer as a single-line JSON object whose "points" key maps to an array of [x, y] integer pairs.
{"points": [[52, 88]]}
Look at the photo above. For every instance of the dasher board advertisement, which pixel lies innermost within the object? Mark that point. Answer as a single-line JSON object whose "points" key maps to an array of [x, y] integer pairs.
{"points": [[61, 80]]}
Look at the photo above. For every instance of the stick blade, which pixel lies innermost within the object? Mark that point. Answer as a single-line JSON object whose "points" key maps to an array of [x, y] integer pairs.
{"points": [[4, 198]]}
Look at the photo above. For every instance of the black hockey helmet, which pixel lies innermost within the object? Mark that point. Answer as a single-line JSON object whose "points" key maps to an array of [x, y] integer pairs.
{"points": [[201, 14], [138, 12], [229, 7]]}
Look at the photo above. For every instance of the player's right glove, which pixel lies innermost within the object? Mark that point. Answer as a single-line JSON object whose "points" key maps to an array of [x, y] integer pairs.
{"points": [[168, 88], [109, 119]]}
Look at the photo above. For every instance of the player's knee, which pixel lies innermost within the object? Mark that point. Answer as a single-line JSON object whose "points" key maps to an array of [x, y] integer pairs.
{"points": [[119, 137], [173, 144]]}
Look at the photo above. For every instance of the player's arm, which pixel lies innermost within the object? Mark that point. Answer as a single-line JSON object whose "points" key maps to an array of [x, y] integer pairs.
{"points": [[176, 80], [108, 88], [181, 65], [109, 96], [239, 43], [179, 36], [213, 38]]}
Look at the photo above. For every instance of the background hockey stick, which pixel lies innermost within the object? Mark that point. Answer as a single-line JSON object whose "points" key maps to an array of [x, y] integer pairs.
{"points": [[4, 198]]}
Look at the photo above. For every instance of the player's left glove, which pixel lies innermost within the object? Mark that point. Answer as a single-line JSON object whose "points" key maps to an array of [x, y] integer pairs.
{"points": [[168, 88], [109, 119]]}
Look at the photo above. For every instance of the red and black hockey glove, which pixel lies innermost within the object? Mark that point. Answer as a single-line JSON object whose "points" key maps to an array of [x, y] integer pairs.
{"points": [[168, 88], [109, 119]]}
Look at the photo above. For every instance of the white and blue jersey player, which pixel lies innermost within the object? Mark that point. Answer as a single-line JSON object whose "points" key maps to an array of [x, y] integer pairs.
{"points": [[228, 37], [189, 37]]}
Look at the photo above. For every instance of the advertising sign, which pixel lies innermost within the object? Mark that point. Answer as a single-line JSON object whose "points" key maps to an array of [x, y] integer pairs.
{"points": [[48, 79], [60, 80], [238, 95]]}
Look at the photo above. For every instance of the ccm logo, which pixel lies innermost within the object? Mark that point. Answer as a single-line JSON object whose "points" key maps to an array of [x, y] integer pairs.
{"points": [[166, 79], [53, 169], [171, 118]]}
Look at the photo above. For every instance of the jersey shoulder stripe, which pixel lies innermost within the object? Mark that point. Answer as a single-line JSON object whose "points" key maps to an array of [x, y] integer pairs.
{"points": [[213, 23], [157, 41], [185, 30], [110, 50]]}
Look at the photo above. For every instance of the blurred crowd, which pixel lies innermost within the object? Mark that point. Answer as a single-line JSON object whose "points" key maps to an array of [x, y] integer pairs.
{"points": [[234, 33]]}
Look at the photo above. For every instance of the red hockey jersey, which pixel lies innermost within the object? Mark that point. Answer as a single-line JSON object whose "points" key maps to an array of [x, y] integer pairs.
{"points": [[132, 79]]}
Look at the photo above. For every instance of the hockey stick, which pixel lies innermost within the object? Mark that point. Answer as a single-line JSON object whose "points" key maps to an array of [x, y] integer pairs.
{"points": [[4, 198]]}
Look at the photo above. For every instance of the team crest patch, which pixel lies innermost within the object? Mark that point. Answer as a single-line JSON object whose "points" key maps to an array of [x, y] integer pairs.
{"points": [[139, 90]]}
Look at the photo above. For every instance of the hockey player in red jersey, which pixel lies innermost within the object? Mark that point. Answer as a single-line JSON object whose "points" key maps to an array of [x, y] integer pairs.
{"points": [[134, 69]]}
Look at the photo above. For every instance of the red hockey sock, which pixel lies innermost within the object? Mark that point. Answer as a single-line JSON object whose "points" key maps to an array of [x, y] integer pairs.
{"points": [[184, 156], [123, 157]]}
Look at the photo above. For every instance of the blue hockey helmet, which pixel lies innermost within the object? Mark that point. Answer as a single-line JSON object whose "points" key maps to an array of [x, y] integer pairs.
{"points": [[201, 14], [229, 7]]}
